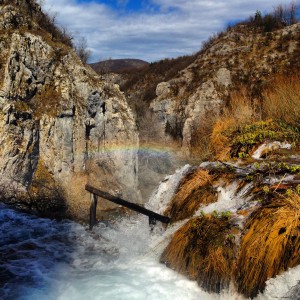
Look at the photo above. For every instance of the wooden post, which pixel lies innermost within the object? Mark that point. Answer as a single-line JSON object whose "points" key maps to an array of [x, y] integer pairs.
{"points": [[152, 223], [93, 210]]}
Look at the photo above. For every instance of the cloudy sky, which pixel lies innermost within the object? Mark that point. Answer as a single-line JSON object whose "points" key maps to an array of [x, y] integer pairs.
{"points": [[150, 29]]}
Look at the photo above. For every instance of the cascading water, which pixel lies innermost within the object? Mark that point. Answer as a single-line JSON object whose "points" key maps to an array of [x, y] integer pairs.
{"points": [[46, 259]]}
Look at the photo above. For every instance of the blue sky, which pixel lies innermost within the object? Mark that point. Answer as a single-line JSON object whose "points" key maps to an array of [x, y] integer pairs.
{"points": [[129, 5], [150, 29]]}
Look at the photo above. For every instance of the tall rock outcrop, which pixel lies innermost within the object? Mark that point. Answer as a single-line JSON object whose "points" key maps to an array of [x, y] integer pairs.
{"points": [[60, 125]]}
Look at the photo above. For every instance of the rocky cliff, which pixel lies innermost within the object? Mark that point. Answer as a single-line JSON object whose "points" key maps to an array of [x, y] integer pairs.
{"points": [[61, 126]]}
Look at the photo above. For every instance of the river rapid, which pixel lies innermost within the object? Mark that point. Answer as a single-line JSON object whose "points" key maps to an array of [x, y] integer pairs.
{"points": [[46, 259]]}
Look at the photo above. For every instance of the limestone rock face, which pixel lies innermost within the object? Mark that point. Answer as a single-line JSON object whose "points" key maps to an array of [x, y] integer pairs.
{"points": [[182, 113], [58, 116], [163, 89]]}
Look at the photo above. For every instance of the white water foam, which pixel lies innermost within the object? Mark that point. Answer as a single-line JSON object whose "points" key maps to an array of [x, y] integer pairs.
{"points": [[229, 199], [267, 147], [44, 259], [281, 287], [160, 199]]}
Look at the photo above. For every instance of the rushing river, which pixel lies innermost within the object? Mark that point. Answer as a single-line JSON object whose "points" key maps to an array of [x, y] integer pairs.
{"points": [[48, 259], [45, 259]]}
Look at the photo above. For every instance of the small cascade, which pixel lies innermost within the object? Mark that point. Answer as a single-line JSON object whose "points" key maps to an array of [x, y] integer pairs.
{"points": [[230, 198], [162, 195], [241, 225]]}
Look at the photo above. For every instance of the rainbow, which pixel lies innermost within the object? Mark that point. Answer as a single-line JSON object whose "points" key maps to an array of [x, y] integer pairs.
{"points": [[127, 148]]}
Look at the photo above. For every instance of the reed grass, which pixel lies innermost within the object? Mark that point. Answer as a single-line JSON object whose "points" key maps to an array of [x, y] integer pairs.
{"points": [[203, 251], [270, 244], [282, 99], [195, 189]]}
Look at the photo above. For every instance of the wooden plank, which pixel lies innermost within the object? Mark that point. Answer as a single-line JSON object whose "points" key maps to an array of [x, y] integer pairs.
{"points": [[93, 210], [132, 206]]}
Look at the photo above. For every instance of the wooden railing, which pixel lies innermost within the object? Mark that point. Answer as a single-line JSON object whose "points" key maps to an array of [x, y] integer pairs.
{"points": [[153, 216]]}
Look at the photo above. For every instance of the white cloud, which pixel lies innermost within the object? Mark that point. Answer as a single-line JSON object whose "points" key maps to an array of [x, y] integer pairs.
{"points": [[178, 27]]}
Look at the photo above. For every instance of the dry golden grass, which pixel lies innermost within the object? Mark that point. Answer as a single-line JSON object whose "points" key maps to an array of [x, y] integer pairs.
{"points": [[281, 102], [200, 139], [242, 108], [270, 245], [195, 189], [210, 139], [219, 141], [282, 99], [204, 251]]}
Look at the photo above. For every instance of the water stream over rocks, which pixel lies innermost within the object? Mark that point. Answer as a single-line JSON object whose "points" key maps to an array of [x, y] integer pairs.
{"points": [[48, 259]]}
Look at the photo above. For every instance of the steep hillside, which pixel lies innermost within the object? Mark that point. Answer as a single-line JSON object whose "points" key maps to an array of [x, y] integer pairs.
{"points": [[177, 101], [146, 79], [183, 91], [240, 58], [60, 125]]}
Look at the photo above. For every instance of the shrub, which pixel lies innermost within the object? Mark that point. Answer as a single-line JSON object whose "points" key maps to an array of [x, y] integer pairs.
{"points": [[82, 51], [43, 19], [280, 17], [48, 23]]}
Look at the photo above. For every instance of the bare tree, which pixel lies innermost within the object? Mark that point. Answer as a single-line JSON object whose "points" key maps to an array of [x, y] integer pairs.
{"points": [[279, 13], [286, 14], [82, 50], [293, 13]]}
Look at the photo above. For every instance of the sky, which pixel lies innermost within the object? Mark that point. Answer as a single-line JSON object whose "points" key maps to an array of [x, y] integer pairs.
{"points": [[150, 29]]}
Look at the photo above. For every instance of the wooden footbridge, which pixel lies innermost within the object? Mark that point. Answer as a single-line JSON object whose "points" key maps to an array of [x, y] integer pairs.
{"points": [[95, 193]]}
